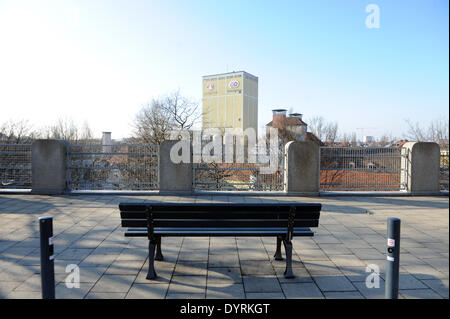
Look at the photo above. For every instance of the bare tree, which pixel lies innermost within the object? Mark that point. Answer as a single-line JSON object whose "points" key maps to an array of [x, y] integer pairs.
{"points": [[316, 126], [331, 133], [183, 111], [153, 123], [437, 131], [324, 131], [17, 132], [66, 129], [415, 132]]}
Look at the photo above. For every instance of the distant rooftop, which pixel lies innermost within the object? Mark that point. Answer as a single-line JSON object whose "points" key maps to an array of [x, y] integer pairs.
{"points": [[231, 73]]}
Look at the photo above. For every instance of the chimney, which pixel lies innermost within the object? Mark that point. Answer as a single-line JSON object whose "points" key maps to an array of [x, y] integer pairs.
{"points": [[106, 142], [296, 115], [279, 118]]}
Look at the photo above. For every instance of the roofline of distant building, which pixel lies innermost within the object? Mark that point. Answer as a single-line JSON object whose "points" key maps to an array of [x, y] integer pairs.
{"points": [[234, 72]]}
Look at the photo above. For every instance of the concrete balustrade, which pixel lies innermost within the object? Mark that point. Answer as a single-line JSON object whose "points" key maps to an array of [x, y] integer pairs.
{"points": [[49, 167], [302, 168], [175, 177], [301, 176], [422, 167]]}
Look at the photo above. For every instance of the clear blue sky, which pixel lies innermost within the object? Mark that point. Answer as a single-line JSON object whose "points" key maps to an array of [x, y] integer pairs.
{"points": [[100, 61]]}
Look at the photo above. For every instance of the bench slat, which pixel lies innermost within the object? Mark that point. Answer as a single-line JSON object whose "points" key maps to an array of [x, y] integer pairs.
{"points": [[198, 207], [220, 215], [261, 223], [195, 231]]}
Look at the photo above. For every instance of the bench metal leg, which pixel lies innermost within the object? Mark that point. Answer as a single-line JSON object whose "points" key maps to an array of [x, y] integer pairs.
{"points": [[278, 255], [159, 256], [151, 274], [288, 248]]}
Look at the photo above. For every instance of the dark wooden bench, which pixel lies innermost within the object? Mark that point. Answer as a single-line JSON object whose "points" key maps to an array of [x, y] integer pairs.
{"points": [[156, 220]]}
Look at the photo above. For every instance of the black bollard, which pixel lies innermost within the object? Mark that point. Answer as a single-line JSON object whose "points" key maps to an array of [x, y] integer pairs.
{"points": [[47, 257], [393, 258]]}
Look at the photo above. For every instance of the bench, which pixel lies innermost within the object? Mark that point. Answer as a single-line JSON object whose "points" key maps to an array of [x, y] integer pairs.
{"points": [[280, 220]]}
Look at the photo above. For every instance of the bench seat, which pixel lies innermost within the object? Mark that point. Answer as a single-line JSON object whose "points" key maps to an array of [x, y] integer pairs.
{"points": [[281, 220]]}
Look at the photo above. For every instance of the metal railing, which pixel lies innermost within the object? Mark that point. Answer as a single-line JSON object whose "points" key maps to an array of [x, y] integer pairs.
{"points": [[235, 176], [15, 166], [443, 180], [362, 169], [113, 167]]}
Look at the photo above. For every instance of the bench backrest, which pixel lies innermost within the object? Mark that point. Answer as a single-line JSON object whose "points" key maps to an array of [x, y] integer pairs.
{"points": [[219, 215]]}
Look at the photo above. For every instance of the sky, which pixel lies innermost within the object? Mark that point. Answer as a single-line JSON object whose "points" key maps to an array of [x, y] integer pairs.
{"points": [[100, 61]]}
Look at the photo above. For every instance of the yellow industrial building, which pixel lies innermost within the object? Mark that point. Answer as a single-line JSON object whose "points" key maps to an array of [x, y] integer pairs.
{"points": [[230, 100]]}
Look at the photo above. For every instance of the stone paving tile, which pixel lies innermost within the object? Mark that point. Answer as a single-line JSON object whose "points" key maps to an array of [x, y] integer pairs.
{"points": [[31, 284], [424, 272], [333, 283], [8, 287], [253, 254], [418, 294], [98, 260], [439, 286], [300, 244], [261, 283], [190, 269], [334, 249], [371, 293], [148, 291], [265, 295], [63, 292], [343, 295], [368, 253], [408, 281], [355, 273], [322, 268], [105, 295], [301, 275], [187, 285], [326, 239], [230, 259], [185, 296], [221, 276], [346, 260], [16, 253], [256, 267], [133, 254], [114, 283], [16, 273], [225, 291], [124, 267], [312, 254], [74, 254], [302, 291], [24, 295], [441, 264], [164, 271]]}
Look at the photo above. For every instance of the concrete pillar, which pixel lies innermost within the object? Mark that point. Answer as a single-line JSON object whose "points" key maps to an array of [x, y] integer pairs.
{"points": [[302, 168], [175, 177], [421, 168], [48, 167]]}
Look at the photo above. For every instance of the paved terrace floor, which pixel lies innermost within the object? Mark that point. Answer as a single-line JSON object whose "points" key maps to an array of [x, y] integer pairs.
{"points": [[352, 235]]}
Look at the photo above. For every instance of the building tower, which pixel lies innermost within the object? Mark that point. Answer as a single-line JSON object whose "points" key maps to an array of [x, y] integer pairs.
{"points": [[230, 100]]}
